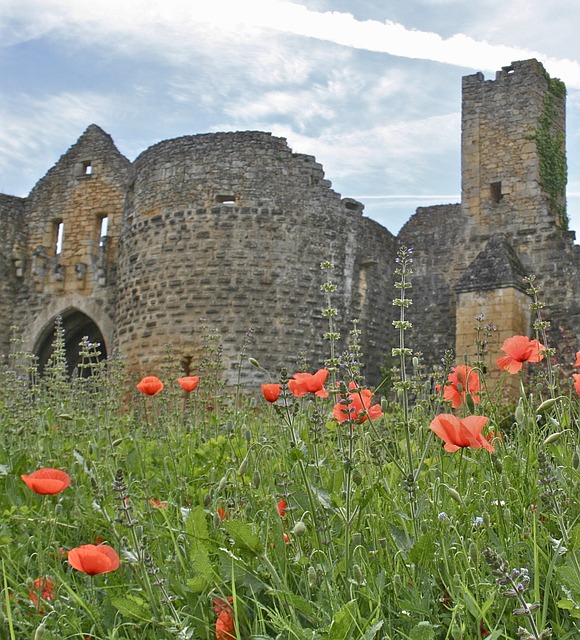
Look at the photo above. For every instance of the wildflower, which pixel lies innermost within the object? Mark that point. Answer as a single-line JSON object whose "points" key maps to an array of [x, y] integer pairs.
{"points": [[282, 507], [519, 349], [302, 383], [188, 384], [47, 481], [157, 504], [271, 392], [577, 363], [94, 559], [576, 377], [359, 408], [225, 626], [464, 380], [286, 538], [42, 589], [458, 433], [222, 514], [150, 385]]}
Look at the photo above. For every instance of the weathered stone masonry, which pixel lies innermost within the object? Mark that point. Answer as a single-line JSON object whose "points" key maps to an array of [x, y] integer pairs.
{"points": [[228, 230]]}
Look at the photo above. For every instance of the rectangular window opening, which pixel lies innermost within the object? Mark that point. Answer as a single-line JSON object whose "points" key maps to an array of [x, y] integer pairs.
{"points": [[225, 199], [87, 168], [495, 192], [103, 232], [58, 231]]}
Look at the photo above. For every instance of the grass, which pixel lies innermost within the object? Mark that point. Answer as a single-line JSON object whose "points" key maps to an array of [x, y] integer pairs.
{"points": [[315, 529]]}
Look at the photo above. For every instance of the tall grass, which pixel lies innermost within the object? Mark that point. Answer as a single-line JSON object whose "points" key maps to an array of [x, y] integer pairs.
{"points": [[280, 518]]}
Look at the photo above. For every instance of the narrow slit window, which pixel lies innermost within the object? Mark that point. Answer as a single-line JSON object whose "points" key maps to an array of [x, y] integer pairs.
{"points": [[225, 199], [103, 232], [495, 192], [58, 236]]}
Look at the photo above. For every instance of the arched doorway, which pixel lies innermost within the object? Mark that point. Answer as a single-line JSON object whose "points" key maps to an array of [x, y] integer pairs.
{"points": [[76, 326]]}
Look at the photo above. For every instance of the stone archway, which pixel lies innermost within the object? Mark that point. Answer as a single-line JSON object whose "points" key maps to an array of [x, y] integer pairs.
{"points": [[76, 326]]}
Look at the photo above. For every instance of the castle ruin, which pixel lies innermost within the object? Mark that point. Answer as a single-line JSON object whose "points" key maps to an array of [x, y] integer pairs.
{"points": [[228, 230]]}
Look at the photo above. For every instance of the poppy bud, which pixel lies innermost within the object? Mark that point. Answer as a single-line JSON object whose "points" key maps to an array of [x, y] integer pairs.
{"points": [[312, 577], [222, 484], [454, 494], [496, 462], [254, 363], [415, 362], [384, 404], [39, 631], [505, 483], [207, 500], [547, 404], [575, 460], [247, 435], [357, 574], [486, 519], [256, 479], [520, 415], [473, 553], [553, 437], [244, 465], [216, 520], [299, 529]]}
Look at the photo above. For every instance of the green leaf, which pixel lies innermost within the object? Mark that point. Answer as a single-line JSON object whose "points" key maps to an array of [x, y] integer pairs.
{"points": [[341, 627], [243, 535], [423, 631], [132, 606], [372, 631]]}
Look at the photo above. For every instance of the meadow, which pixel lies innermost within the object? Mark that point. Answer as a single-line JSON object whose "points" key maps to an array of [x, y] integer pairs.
{"points": [[439, 506]]}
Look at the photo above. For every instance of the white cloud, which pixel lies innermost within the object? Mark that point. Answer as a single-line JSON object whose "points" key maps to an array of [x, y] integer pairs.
{"points": [[171, 29], [31, 127]]}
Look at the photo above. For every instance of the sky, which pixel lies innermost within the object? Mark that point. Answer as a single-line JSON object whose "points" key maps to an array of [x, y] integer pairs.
{"points": [[371, 88]]}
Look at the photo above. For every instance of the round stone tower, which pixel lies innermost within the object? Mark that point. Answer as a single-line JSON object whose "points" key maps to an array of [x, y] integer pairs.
{"points": [[228, 231]]}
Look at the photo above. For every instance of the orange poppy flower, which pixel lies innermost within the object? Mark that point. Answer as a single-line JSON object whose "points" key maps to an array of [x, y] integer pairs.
{"points": [[43, 589], [519, 349], [222, 514], [359, 408], [94, 559], [464, 380], [577, 363], [303, 383], [576, 377], [189, 383], [225, 626], [271, 392], [150, 385], [47, 481], [458, 434], [282, 506]]}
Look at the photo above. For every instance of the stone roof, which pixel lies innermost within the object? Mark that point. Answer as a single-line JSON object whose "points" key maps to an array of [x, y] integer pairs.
{"points": [[496, 267]]}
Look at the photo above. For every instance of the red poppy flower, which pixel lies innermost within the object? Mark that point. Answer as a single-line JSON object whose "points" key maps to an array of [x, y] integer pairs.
{"points": [[458, 433], [576, 377], [303, 383], [577, 363], [271, 392], [47, 481], [94, 559], [157, 504], [282, 506], [43, 589], [519, 349], [359, 408], [189, 383], [222, 514], [150, 385], [464, 380], [225, 626]]}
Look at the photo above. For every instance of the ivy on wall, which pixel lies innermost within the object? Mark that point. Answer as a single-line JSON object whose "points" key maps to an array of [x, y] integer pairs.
{"points": [[551, 149]]}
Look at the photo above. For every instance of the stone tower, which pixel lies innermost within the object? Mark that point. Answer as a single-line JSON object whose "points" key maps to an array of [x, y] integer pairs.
{"points": [[512, 212]]}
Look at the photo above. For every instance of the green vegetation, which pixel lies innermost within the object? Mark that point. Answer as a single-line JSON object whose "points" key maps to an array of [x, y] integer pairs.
{"points": [[299, 518]]}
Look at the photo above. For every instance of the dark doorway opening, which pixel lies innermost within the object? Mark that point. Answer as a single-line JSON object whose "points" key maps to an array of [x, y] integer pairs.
{"points": [[76, 326]]}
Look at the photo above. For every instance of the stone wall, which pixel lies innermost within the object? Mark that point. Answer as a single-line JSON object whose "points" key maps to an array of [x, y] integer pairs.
{"points": [[226, 232], [231, 229]]}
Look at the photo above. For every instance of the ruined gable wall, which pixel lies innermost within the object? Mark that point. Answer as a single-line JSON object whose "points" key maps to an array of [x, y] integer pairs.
{"points": [[87, 184], [11, 262]]}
